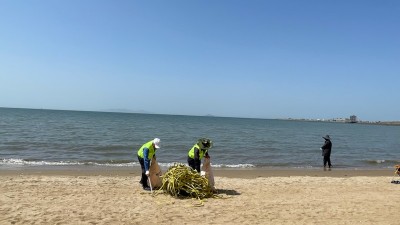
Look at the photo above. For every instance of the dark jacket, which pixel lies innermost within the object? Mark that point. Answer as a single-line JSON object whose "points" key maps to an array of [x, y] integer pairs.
{"points": [[326, 148]]}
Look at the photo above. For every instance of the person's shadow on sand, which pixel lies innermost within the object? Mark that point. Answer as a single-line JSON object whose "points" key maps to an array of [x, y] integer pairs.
{"points": [[227, 192]]}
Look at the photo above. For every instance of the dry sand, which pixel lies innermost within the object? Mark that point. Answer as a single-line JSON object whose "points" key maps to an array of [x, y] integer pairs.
{"points": [[246, 197]]}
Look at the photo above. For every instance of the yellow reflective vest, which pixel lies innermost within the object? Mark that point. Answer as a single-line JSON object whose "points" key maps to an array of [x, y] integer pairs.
{"points": [[151, 148], [202, 152]]}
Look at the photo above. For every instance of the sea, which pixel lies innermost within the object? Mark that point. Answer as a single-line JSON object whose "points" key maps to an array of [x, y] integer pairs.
{"points": [[49, 139]]}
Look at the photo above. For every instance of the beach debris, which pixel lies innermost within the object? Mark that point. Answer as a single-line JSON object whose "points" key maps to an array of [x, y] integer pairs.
{"points": [[396, 172], [182, 181]]}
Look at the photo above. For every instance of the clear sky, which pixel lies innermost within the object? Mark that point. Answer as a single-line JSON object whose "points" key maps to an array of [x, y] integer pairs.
{"points": [[262, 59]]}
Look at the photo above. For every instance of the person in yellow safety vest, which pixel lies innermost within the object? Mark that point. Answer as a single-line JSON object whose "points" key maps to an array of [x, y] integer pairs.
{"points": [[197, 152], [146, 153]]}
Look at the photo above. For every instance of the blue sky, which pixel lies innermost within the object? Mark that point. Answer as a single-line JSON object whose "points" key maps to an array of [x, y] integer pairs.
{"points": [[258, 59]]}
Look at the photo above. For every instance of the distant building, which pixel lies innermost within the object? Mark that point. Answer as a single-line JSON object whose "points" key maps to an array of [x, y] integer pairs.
{"points": [[339, 120], [353, 119]]}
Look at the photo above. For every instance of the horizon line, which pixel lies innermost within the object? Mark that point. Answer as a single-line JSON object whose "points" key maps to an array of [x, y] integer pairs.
{"points": [[128, 111]]}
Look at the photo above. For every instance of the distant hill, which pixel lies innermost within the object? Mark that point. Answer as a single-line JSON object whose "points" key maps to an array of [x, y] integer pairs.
{"points": [[127, 111], [209, 115]]}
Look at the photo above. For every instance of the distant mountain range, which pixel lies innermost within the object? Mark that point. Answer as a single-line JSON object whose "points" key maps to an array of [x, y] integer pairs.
{"points": [[138, 111]]}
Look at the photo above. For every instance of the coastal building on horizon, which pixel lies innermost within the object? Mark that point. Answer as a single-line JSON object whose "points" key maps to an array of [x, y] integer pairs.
{"points": [[353, 119]]}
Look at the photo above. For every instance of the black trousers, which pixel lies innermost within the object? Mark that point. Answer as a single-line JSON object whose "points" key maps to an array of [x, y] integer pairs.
{"points": [[195, 164], [144, 178], [327, 159]]}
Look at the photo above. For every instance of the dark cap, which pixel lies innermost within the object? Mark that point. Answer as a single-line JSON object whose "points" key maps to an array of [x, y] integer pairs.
{"points": [[205, 142], [326, 137]]}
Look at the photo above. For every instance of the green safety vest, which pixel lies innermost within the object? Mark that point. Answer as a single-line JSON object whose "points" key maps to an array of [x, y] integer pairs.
{"points": [[201, 152], [151, 148]]}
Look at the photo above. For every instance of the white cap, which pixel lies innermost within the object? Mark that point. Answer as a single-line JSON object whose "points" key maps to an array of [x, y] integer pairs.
{"points": [[156, 142]]}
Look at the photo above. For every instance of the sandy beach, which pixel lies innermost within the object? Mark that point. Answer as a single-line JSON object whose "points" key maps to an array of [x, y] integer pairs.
{"points": [[245, 197]]}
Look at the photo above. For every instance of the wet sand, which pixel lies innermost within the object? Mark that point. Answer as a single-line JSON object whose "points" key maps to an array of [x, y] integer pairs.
{"points": [[249, 173]]}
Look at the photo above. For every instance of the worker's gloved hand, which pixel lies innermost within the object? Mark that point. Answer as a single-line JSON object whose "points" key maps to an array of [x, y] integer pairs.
{"points": [[207, 156], [202, 173], [147, 173]]}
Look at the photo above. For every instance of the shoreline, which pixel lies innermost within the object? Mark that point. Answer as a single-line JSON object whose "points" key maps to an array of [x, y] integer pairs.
{"points": [[248, 173]]}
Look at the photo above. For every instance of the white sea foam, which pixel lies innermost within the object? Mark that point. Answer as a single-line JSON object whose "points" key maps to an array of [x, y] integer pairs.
{"points": [[21, 162], [37, 163], [234, 166]]}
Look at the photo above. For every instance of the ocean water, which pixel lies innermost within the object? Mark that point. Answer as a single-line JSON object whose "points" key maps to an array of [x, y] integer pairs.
{"points": [[51, 138]]}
